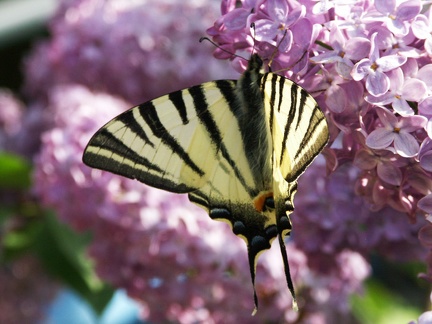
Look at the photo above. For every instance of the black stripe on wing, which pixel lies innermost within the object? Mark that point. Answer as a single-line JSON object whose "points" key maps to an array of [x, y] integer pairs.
{"points": [[123, 161], [314, 135], [149, 114], [177, 99], [303, 122], [314, 125], [301, 105], [128, 119], [105, 140], [291, 117], [214, 130]]}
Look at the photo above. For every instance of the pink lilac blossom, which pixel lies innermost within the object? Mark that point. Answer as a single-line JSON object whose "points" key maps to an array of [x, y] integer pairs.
{"points": [[397, 131], [373, 67], [157, 41], [369, 69]]}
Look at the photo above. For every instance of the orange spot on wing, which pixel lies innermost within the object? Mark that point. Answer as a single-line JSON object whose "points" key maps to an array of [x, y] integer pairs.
{"points": [[259, 200]]}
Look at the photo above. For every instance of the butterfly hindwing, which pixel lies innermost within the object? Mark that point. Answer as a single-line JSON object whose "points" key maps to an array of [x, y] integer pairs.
{"points": [[300, 130]]}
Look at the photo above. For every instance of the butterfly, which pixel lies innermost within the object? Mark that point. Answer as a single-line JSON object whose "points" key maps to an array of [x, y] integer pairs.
{"points": [[236, 148]]}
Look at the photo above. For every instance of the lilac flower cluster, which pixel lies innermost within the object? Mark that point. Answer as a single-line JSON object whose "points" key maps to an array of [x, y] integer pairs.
{"points": [[368, 64]]}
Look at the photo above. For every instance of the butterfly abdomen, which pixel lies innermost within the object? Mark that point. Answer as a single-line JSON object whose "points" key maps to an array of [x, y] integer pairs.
{"points": [[254, 125]]}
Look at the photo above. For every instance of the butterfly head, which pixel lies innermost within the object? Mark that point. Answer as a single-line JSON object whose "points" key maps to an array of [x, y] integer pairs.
{"points": [[255, 63]]}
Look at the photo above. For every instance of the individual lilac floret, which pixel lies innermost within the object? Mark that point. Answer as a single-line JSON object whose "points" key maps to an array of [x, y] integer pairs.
{"points": [[373, 68], [422, 28], [397, 131], [344, 51], [275, 30], [397, 18], [402, 90]]}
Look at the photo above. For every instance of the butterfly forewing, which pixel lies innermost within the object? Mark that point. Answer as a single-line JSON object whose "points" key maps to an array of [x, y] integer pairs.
{"points": [[179, 142]]}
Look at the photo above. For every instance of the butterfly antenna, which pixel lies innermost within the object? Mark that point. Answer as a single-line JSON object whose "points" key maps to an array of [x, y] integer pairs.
{"points": [[221, 48], [252, 26], [277, 49]]}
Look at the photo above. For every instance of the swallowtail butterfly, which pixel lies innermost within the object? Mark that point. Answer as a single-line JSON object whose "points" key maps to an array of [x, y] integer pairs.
{"points": [[236, 147]]}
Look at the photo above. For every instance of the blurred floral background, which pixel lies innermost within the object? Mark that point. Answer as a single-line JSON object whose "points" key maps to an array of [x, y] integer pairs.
{"points": [[361, 246]]}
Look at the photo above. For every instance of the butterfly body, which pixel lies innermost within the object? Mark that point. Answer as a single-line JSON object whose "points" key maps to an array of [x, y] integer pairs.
{"points": [[236, 147]]}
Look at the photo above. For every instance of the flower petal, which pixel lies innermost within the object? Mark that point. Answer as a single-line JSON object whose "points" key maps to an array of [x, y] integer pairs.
{"points": [[336, 98], [383, 100], [401, 107], [326, 57], [425, 74], [385, 7], [396, 78], [266, 30], [278, 10], [390, 62], [380, 138], [428, 128], [425, 233], [357, 48], [425, 107], [426, 203], [420, 27], [428, 45], [414, 90], [389, 173], [412, 123], [387, 118], [365, 160], [344, 68], [361, 69], [426, 161], [236, 19], [408, 10], [377, 83], [406, 145]]}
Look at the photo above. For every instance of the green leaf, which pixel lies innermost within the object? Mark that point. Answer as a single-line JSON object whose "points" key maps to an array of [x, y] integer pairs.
{"points": [[380, 305], [18, 242], [63, 252], [14, 171]]}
